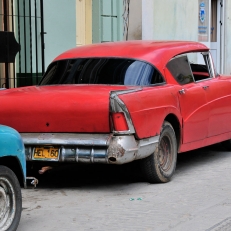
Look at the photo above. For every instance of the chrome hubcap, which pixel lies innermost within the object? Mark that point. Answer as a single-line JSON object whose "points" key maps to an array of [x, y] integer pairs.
{"points": [[7, 204], [165, 154]]}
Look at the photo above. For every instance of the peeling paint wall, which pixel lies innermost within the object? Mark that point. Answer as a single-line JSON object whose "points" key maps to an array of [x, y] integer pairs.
{"points": [[135, 20]]}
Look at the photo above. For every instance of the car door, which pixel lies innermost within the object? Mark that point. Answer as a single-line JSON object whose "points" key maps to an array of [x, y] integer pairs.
{"points": [[218, 94], [192, 100]]}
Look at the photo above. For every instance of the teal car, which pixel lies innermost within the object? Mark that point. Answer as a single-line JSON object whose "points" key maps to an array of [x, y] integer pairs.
{"points": [[12, 175]]}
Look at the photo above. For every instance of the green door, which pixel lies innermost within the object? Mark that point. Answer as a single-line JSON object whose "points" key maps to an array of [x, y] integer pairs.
{"points": [[107, 20]]}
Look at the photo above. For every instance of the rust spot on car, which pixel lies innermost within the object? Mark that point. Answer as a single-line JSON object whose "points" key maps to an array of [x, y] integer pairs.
{"points": [[116, 150]]}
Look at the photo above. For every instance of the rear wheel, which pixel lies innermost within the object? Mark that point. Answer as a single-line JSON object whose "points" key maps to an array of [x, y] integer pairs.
{"points": [[160, 166], [10, 200]]}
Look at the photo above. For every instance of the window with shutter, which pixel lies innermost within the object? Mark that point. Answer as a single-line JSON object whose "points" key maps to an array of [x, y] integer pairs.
{"points": [[107, 20]]}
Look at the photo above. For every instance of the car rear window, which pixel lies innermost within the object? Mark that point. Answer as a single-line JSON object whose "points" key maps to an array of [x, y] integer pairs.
{"points": [[112, 71]]}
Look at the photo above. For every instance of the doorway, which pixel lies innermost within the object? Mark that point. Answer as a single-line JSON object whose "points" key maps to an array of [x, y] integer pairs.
{"points": [[216, 34], [211, 29]]}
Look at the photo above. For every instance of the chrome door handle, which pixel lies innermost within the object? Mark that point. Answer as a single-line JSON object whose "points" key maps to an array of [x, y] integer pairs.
{"points": [[205, 87], [182, 91]]}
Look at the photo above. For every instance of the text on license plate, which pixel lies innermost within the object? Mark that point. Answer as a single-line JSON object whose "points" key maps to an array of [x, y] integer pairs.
{"points": [[49, 153]]}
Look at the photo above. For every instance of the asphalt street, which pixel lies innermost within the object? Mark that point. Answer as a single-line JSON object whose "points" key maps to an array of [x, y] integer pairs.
{"points": [[96, 197]]}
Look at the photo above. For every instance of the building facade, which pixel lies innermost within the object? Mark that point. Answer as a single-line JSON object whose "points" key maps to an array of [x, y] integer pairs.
{"points": [[205, 21], [44, 29]]}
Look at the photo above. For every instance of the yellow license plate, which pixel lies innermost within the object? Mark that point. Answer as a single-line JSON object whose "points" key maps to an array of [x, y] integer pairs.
{"points": [[46, 153]]}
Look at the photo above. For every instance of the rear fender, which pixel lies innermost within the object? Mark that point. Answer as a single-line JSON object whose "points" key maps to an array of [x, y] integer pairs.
{"points": [[149, 108], [117, 105]]}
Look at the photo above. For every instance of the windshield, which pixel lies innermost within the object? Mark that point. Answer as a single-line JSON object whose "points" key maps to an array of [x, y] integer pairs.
{"points": [[112, 71]]}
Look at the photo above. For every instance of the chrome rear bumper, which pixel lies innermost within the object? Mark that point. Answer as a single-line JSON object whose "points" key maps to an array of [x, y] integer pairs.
{"points": [[91, 148]]}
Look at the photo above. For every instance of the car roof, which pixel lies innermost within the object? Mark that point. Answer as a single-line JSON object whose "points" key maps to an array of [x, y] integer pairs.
{"points": [[156, 52]]}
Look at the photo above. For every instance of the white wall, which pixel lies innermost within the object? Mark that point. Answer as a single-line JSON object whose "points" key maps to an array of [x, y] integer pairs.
{"points": [[147, 19], [170, 20], [227, 45], [60, 25]]}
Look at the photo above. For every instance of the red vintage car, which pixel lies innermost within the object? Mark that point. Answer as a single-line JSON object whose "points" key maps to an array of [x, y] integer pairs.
{"points": [[114, 103]]}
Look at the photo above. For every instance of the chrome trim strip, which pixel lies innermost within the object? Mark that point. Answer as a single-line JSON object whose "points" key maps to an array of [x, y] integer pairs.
{"points": [[65, 139], [211, 65], [122, 92]]}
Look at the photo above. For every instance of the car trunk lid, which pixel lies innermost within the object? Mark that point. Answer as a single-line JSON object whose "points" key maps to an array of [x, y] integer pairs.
{"points": [[66, 108]]}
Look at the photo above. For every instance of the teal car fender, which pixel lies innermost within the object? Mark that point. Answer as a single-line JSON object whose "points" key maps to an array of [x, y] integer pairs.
{"points": [[12, 172], [11, 145]]}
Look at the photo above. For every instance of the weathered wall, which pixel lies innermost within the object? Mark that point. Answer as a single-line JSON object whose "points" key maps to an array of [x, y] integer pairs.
{"points": [[227, 32], [147, 19], [135, 20], [175, 19], [60, 25]]}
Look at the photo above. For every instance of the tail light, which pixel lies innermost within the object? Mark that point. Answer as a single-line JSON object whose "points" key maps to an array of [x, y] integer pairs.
{"points": [[119, 121]]}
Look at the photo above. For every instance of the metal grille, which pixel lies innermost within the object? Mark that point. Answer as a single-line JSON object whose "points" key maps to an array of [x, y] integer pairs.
{"points": [[25, 19]]}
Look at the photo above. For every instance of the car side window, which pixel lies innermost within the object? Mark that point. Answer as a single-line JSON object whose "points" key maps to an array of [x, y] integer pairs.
{"points": [[180, 69], [201, 65]]}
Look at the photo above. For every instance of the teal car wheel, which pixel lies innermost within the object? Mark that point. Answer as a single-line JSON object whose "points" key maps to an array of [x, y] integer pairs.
{"points": [[10, 200]]}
